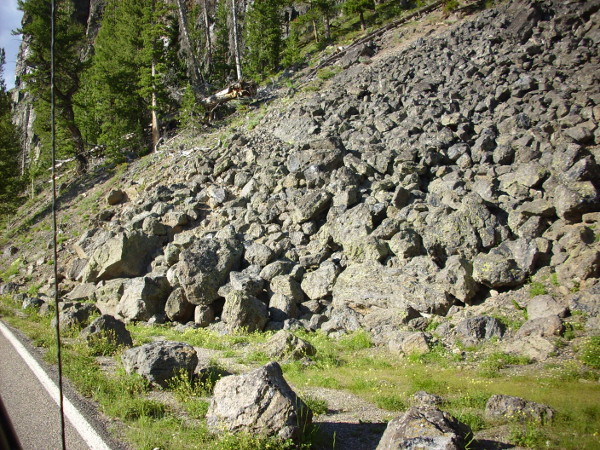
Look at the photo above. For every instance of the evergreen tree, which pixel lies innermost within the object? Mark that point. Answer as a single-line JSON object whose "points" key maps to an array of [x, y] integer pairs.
{"points": [[359, 7], [263, 38], [10, 179], [68, 66], [222, 68], [124, 93]]}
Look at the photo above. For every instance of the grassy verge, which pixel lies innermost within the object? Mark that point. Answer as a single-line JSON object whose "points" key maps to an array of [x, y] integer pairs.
{"points": [[351, 364]]}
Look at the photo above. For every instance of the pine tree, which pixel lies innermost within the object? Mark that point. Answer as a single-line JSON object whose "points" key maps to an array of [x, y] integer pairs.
{"points": [[263, 38], [124, 92], [222, 68], [10, 179], [359, 7], [69, 38]]}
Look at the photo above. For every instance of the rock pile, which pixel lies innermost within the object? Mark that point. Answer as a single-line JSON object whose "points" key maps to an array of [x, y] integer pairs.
{"points": [[437, 177]]}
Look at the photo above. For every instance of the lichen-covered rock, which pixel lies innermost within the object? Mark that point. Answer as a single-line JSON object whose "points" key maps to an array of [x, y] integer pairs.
{"points": [[109, 328], [509, 408], [160, 361], [476, 329], [205, 265], [426, 427], [258, 402], [285, 345], [177, 308], [125, 255], [143, 297], [244, 311]]}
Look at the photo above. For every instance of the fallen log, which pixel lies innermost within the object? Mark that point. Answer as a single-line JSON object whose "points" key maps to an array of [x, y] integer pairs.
{"points": [[237, 90]]}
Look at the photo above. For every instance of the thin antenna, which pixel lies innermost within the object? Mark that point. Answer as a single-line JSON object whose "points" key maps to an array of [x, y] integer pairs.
{"points": [[54, 227]]}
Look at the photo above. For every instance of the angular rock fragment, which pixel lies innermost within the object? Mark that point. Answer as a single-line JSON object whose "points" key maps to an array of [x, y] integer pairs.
{"points": [[259, 402]]}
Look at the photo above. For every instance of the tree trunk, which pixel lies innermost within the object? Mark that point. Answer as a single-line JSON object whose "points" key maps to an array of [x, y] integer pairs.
{"points": [[327, 27], [69, 115], [155, 123], [236, 42], [363, 25], [315, 30], [209, 49]]}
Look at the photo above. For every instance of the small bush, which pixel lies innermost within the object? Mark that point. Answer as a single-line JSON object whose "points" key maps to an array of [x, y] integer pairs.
{"points": [[316, 405], [529, 436]]}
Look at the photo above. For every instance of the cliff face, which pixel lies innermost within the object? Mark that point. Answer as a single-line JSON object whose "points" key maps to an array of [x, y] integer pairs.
{"points": [[88, 13]]}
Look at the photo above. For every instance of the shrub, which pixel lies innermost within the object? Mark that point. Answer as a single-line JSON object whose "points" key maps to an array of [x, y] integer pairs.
{"points": [[590, 352]]}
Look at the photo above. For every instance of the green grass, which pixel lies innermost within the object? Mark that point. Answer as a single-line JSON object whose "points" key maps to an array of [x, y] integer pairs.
{"points": [[351, 364], [590, 352]]}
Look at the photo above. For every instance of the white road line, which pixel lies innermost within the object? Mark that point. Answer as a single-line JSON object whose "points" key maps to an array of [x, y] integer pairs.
{"points": [[85, 430]]}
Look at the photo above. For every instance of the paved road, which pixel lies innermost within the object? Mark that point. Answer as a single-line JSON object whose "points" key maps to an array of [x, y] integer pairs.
{"points": [[33, 412]]}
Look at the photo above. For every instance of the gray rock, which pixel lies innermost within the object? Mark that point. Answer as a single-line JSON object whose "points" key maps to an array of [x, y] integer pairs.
{"points": [[205, 265], [108, 294], [258, 402], [259, 254], [244, 311], [126, 255], [319, 283], [285, 345], [476, 329], [424, 428], [410, 343], [283, 307], [109, 328], [177, 308], [143, 297], [74, 314], [546, 326], [506, 407], [160, 361], [372, 285], [288, 286], [204, 315], [544, 306], [84, 291]]}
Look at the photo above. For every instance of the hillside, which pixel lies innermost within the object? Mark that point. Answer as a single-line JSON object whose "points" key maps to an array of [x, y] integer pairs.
{"points": [[423, 209]]}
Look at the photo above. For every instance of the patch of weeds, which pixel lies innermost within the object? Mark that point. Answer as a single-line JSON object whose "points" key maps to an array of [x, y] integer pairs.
{"points": [[496, 361], [104, 345], [430, 385], [451, 5], [554, 280], [326, 73], [316, 405], [470, 400], [590, 352], [523, 309], [432, 326], [34, 289], [356, 341], [12, 270], [529, 435], [256, 356], [391, 402], [474, 420], [536, 288]]}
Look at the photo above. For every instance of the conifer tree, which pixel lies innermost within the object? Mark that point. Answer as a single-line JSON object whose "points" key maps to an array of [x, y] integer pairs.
{"points": [[10, 179], [124, 93], [222, 67], [263, 37], [69, 37], [359, 7]]}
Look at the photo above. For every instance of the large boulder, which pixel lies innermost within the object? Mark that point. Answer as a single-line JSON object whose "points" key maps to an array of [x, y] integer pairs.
{"points": [[143, 297], [160, 361], [285, 345], [74, 314], [368, 285], [205, 265], [319, 283], [258, 402], [126, 255], [109, 328], [506, 407], [427, 428], [244, 311]]}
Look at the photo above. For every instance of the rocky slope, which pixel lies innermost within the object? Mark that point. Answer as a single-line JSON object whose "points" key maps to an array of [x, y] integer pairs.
{"points": [[425, 184]]}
